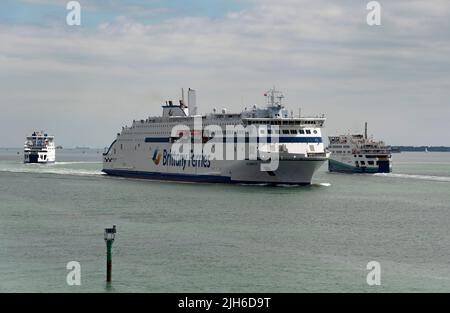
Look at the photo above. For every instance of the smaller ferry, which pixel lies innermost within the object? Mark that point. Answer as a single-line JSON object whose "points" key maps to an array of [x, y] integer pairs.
{"points": [[39, 148], [358, 154]]}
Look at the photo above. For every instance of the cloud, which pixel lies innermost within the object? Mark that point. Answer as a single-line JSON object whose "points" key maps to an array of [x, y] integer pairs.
{"points": [[322, 54]]}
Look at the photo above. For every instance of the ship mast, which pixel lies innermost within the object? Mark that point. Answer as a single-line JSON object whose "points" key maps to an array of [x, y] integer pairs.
{"points": [[274, 98]]}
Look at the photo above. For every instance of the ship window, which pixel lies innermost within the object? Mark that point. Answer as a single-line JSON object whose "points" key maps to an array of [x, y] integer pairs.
{"points": [[363, 162], [315, 131], [45, 157], [285, 131], [293, 131], [370, 162], [308, 131], [301, 131]]}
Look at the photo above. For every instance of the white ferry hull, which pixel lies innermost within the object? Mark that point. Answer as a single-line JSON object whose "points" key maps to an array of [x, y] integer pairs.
{"points": [[292, 172], [37, 158]]}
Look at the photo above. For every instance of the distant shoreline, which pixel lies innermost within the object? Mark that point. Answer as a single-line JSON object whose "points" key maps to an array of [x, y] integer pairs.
{"points": [[420, 148]]}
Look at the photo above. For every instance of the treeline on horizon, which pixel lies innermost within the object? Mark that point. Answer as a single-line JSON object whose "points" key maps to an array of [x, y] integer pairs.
{"points": [[421, 148]]}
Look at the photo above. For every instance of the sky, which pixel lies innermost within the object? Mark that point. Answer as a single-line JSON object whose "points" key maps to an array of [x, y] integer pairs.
{"points": [[83, 83]]}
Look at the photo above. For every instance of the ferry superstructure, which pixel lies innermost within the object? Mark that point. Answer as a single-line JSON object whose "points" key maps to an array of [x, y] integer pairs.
{"points": [[356, 153], [39, 148], [143, 150]]}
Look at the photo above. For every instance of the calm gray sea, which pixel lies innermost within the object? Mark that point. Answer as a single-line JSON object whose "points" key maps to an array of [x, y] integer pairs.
{"points": [[179, 237]]}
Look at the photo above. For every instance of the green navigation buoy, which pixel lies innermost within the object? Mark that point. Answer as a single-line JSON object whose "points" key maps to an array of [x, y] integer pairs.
{"points": [[110, 234]]}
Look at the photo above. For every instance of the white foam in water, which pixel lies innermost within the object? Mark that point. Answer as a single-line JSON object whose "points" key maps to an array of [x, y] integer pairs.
{"points": [[52, 169], [418, 177], [68, 163]]}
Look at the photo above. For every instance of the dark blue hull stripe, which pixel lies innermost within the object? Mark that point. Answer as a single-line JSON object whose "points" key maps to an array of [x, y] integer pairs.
{"points": [[189, 177], [268, 139]]}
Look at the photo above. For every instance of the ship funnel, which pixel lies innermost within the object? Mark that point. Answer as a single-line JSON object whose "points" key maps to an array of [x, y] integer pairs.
{"points": [[192, 101]]}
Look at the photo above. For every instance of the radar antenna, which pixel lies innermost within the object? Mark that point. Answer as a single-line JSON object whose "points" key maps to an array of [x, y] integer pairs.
{"points": [[274, 98]]}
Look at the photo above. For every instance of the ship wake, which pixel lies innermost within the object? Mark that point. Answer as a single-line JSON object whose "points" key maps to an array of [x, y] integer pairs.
{"points": [[58, 168], [415, 177]]}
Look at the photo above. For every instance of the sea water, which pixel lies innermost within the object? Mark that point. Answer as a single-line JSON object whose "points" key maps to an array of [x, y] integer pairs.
{"points": [[183, 237]]}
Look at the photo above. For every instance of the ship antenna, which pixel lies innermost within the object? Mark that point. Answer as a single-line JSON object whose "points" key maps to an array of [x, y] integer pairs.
{"points": [[274, 97], [365, 131]]}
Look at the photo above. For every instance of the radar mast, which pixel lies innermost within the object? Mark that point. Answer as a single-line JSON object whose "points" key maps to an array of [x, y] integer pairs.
{"points": [[274, 98]]}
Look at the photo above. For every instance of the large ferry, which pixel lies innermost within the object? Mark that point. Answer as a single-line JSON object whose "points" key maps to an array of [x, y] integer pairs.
{"points": [[356, 153], [39, 148], [144, 149]]}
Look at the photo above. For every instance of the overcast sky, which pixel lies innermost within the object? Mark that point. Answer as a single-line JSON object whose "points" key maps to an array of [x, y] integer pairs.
{"points": [[83, 83]]}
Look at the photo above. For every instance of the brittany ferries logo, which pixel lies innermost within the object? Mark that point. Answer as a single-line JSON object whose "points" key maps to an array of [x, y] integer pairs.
{"points": [[156, 157]]}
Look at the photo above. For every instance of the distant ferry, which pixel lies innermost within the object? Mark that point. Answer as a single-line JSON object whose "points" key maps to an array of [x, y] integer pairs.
{"points": [[143, 150], [39, 148], [358, 154]]}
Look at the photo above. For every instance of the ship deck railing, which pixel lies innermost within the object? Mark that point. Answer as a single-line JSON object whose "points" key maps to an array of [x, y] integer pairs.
{"points": [[374, 151]]}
